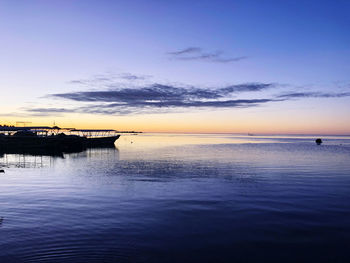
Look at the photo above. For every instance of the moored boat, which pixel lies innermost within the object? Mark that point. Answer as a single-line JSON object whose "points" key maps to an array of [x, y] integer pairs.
{"points": [[55, 139]]}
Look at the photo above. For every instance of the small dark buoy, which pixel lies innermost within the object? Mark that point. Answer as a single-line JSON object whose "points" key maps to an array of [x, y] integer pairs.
{"points": [[2, 171], [318, 141]]}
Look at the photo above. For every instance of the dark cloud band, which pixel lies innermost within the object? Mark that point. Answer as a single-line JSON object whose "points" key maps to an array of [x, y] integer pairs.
{"points": [[162, 93], [157, 96]]}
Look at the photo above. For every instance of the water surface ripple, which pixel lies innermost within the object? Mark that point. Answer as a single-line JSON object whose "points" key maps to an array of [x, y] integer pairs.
{"points": [[180, 198]]}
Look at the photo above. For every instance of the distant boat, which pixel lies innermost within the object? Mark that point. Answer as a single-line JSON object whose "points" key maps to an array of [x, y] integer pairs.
{"points": [[318, 141], [250, 134]]}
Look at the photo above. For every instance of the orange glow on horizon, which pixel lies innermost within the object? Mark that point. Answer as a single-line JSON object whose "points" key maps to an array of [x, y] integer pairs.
{"points": [[195, 123]]}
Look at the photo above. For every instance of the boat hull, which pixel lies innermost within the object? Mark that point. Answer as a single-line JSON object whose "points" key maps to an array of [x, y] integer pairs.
{"points": [[101, 141], [57, 143]]}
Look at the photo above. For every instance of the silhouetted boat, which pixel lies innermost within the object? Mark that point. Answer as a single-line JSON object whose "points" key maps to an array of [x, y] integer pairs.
{"points": [[53, 139], [97, 138]]}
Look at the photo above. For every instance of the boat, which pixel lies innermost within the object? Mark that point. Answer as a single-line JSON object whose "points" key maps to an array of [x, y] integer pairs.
{"points": [[96, 138], [53, 139]]}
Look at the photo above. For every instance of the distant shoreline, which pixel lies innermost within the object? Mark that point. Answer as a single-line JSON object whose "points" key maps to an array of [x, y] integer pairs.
{"points": [[254, 134]]}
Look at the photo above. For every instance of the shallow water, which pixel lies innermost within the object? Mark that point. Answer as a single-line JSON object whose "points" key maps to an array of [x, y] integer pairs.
{"points": [[180, 198]]}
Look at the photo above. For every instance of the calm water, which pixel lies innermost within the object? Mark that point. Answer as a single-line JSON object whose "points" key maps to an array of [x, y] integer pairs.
{"points": [[180, 198]]}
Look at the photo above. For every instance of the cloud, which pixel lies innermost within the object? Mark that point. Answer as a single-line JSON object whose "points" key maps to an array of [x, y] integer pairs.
{"points": [[109, 96], [147, 107], [296, 95], [28, 114], [157, 97], [108, 79], [160, 93], [161, 98], [196, 53], [50, 110], [188, 50], [249, 87], [129, 76]]}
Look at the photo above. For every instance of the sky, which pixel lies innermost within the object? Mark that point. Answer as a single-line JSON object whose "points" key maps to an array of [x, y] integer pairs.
{"points": [[279, 67]]}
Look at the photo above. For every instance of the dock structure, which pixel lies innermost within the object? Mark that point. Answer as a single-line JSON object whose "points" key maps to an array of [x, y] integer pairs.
{"points": [[54, 130], [45, 138]]}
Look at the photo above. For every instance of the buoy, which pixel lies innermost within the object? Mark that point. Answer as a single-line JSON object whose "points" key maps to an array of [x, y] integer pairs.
{"points": [[318, 141]]}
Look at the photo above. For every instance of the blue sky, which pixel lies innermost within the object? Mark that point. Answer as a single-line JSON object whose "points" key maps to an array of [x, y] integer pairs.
{"points": [[298, 46]]}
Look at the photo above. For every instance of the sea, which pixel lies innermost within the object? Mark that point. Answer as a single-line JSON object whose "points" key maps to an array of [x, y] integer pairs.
{"points": [[180, 198]]}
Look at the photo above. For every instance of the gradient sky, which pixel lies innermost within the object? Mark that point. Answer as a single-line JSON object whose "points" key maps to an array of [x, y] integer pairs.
{"points": [[184, 66]]}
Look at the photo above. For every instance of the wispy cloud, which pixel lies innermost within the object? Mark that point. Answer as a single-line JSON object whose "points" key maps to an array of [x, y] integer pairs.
{"points": [[109, 79], [296, 95], [186, 51], [29, 112], [148, 107], [196, 53], [50, 110], [129, 76]]}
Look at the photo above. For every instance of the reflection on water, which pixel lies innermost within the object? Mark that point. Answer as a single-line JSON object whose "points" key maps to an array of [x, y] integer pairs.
{"points": [[180, 198], [24, 161], [41, 161], [164, 140]]}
